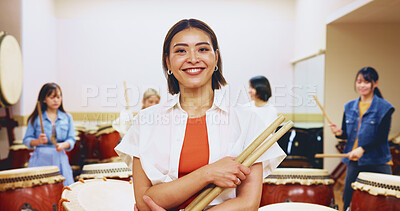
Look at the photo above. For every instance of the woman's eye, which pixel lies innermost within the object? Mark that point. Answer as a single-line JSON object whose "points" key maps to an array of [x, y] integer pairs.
{"points": [[180, 51], [203, 49]]}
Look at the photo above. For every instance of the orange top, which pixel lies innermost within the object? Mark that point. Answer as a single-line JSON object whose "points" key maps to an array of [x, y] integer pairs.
{"points": [[195, 152], [362, 107]]}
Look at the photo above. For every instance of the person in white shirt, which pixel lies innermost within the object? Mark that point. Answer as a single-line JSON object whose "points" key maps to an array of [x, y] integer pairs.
{"points": [[177, 148], [260, 93]]}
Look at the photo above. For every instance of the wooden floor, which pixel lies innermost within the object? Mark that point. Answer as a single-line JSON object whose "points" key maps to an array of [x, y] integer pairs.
{"points": [[338, 191]]}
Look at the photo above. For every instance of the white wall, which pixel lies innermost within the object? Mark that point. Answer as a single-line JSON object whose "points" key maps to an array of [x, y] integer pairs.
{"points": [[310, 30], [102, 43], [39, 50]]}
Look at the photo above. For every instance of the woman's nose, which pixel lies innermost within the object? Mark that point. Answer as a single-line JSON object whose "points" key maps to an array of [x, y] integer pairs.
{"points": [[193, 57]]}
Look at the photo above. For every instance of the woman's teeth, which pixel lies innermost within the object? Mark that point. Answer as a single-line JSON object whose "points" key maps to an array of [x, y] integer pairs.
{"points": [[193, 70]]}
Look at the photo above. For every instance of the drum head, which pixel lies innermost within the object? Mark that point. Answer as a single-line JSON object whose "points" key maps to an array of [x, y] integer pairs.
{"points": [[303, 176], [10, 71], [295, 206], [378, 184], [108, 170], [98, 194], [29, 177]]}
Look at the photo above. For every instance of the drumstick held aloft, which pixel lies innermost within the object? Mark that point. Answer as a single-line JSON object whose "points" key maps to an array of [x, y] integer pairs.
{"points": [[322, 109], [40, 115]]}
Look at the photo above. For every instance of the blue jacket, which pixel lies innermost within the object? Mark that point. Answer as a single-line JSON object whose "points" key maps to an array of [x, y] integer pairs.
{"points": [[367, 134], [65, 130]]}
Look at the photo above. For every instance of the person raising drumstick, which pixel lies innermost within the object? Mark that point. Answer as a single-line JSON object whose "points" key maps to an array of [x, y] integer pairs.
{"points": [[58, 132], [366, 125], [179, 147]]}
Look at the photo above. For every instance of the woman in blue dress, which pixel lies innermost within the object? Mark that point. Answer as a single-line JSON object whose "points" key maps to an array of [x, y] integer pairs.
{"points": [[58, 128]]}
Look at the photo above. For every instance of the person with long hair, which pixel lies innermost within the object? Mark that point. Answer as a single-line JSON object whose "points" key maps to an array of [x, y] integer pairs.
{"points": [[58, 125], [179, 147], [366, 126], [260, 93]]}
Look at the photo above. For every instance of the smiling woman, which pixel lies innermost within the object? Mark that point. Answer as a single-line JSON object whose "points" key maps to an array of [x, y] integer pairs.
{"points": [[176, 149]]}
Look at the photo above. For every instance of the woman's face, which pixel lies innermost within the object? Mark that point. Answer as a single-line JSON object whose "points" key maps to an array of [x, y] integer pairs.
{"points": [[252, 92], [363, 87], [192, 58], [150, 101], [53, 101]]}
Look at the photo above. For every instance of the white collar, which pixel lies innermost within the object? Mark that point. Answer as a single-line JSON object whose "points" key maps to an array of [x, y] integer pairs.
{"points": [[221, 100]]}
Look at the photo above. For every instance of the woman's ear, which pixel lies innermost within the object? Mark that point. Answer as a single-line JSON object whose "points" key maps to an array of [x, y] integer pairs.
{"points": [[375, 84], [167, 61], [216, 56]]}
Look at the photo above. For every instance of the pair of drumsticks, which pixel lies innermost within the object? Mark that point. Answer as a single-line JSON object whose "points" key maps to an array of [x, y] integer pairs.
{"points": [[246, 158], [52, 138], [330, 122]]}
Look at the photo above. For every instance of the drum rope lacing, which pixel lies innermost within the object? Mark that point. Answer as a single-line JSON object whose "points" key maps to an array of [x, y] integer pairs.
{"points": [[28, 178], [105, 171], [297, 177], [379, 185]]}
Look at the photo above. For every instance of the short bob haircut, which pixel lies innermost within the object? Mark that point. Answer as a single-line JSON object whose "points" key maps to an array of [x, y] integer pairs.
{"points": [[262, 87], [218, 79]]}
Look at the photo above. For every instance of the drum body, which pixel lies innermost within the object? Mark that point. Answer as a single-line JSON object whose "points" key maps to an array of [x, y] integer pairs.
{"points": [[99, 194], [75, 155], [19, 155], [91, 147], [298, 185], [108, 140], [36, 188], [295, 206], [375, 191], [106, 170]]}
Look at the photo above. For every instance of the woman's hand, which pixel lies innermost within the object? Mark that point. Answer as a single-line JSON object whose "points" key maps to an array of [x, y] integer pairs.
{"points": [[61, 146], [356, 153], [42, 139], [226, 172], [335, 129]]}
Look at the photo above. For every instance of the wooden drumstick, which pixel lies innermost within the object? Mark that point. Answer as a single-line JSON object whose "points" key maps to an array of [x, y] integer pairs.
{"points": [[331, 155], [40, 116], [126, 95], [52, 139], [271, 128], [247, 162], [322, 109]]}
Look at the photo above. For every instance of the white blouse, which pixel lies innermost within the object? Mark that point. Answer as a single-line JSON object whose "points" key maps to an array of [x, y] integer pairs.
{"points": [[267, 113], [157, 135]]}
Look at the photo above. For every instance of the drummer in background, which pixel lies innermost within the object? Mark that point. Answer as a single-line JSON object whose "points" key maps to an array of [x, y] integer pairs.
{"points": [[366, 124], [150, 98], [124, 121], [58, 125], [260, 93], [180, 147]]}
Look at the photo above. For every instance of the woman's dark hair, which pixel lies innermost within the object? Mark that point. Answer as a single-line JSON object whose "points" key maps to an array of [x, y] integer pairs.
{"points": [[370, 75], [47, 89], [218, 79], [262, 87]]}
